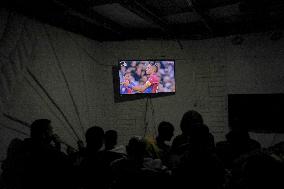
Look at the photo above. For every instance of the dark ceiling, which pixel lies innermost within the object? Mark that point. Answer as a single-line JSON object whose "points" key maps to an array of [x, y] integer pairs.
{"points": [[106, 20]]}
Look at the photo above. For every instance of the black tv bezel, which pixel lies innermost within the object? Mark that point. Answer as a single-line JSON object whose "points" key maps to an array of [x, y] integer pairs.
{"points": [[234, 112], [148, 94]]}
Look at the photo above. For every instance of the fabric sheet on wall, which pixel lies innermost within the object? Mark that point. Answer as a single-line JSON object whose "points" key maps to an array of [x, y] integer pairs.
{"points": [[44, 73]]}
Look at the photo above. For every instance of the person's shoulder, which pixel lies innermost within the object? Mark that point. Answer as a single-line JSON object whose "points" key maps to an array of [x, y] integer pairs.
{"points": [[119, 163], [254, 144], [15, 148], [154, 77], [180, 143], [180, 138]]}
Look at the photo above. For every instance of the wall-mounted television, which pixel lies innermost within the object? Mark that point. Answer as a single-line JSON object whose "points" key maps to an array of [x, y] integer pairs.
{"points": [[146, 76], [262, 113]]}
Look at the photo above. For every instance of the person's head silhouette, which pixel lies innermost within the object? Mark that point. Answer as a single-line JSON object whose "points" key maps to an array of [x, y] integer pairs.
{"points": [[41, 131], [94, 138], [136, 148], [189, 120], [165, 131], [110, 139]]}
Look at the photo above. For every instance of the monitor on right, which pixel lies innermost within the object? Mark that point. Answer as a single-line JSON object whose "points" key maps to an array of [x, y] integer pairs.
{"points": [[262, 113]]}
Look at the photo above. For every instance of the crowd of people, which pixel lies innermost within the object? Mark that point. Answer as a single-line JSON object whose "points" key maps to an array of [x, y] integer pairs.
{"points": [[193, 160]]}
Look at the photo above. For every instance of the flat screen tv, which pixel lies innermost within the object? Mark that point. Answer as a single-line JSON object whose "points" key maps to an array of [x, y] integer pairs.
{"points": [[261, 113], [146, 76]]}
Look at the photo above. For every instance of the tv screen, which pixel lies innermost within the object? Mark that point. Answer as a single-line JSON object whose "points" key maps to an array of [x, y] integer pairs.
{"points": [[147, 76], [256, 112]]}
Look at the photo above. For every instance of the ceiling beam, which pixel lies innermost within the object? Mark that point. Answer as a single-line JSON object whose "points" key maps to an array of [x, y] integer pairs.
{"points": [[142, 11], [102, 2], [59, 14], [206, 5], [209, 4], [204, 16], [84, 9]]}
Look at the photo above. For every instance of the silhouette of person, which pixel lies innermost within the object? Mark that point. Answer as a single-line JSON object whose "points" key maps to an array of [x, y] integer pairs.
{"points": [[258, 169], [93, 173], [9, 177], [165, 133], [136, 171], [238, 143], [38, 163], [159, 149], [112, 152], [110, 139], [263, 171], [190, 121], [128, 171], [199, 166]]}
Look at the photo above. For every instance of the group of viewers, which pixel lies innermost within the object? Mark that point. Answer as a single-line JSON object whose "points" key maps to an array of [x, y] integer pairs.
{"points": [[193, 160]]}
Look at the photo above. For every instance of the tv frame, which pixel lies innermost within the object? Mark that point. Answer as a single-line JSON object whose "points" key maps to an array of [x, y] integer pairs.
{"points": [[237, 117], [160, 94]]}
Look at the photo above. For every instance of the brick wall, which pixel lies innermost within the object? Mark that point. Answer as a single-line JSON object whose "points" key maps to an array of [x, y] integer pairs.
{"points": [[206, 71]]}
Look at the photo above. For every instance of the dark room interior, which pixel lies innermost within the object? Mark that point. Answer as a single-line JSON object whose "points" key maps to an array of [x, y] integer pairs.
{"points": [[141, 93]]}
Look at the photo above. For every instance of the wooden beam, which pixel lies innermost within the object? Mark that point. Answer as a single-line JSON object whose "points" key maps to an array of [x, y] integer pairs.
{"points": [[102, 2], [209, 4], [84, 9], [205, 18], [142, 11]]}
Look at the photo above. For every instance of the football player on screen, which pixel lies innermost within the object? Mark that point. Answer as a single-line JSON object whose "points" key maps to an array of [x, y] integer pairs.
{"points": [[151, 85], [124, 88]]}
